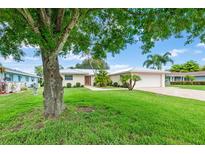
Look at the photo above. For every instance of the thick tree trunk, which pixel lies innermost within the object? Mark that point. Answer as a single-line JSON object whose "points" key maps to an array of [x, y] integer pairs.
{"points": [[53, 89]]}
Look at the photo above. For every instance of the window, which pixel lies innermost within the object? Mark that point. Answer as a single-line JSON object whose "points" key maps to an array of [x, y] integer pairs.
{"points": [[8, 77], [27, 79], [32, 79], [19, 78], [68, 77]]}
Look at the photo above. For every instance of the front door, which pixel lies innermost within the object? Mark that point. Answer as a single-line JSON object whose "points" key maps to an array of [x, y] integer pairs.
{"points": [[88, 80]]}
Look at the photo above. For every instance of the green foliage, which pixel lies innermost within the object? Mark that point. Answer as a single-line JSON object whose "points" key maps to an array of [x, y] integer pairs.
{"points": [[39, 71], [68, 85], [102, 78], [129, 80], [189, 66], [176, 68], [195, 85], [161, 24], [156, 61], [189, 78], [78, 84], [188, 83], [94, 31], [202, 68], [99, 30], [115, 84], [92, 64]]}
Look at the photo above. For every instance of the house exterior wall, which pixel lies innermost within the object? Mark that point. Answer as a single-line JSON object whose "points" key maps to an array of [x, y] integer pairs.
{"points": [[150, 80], [182, 78], [13, 77], [76, 78], [116, 78], [92, 80], [147, 80]]}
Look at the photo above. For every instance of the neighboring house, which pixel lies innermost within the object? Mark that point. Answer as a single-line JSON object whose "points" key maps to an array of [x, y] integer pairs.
{"points": [[15, 76], [149, 77], [83, 76], [180, 76]]}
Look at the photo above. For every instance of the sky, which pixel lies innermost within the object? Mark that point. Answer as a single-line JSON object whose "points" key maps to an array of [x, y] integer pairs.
{"points": [[131, 56]]}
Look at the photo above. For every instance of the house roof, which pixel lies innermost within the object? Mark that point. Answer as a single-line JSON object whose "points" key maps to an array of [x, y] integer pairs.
{"points": [[78, 71], [137, 70], [111, 72], [199, 73], [19, 72]]}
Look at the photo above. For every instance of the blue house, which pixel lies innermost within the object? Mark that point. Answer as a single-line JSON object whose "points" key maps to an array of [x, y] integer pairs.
{"points": [[12, 75]]}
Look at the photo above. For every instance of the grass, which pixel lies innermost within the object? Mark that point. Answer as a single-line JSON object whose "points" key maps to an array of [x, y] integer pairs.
{"points": [[194, 87], [118, 117]]}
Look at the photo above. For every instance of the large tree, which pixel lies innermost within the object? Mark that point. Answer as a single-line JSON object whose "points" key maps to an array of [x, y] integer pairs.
{"points": [[95, 31], [59, 31]]}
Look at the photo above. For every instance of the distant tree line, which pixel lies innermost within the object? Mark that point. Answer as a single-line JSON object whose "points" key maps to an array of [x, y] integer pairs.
{"points": [[189, 66], [92, 63]]}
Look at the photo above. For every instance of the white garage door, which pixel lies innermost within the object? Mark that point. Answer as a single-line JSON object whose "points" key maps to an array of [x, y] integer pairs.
{"points": [[149, 80]]}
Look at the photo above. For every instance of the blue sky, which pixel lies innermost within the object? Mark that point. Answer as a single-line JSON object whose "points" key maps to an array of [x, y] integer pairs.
{"points": [[131, 56]]}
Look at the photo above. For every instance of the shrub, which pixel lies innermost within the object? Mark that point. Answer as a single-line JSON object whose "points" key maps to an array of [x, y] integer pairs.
{"points": [[82, 85], [129, 80], [124, 85], [188, 83], [69, 85], [102, 78], [24, 88], [77, 84], [115, 84], [189, 78], [110, 83]]}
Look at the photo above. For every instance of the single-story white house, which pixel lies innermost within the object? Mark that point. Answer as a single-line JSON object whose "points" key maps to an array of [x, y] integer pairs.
{"points": [[149, 77]]}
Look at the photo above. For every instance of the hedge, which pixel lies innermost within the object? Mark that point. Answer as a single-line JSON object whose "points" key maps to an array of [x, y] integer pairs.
{"points": [[188, 83]]}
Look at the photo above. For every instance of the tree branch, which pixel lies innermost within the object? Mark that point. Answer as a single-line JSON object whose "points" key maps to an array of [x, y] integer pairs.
{"points": [[59, 19], [45, 17], [67, 30], [26, 14]]}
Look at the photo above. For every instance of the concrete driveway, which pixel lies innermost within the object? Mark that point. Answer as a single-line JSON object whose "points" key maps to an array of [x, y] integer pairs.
{"points": [[172, 91]]}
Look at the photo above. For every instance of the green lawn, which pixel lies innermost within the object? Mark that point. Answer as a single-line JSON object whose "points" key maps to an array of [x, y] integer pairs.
{"points": [[119, 117], [194, 87]]}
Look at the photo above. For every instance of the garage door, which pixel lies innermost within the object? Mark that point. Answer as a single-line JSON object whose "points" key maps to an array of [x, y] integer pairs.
{"points": [[149, 80]]}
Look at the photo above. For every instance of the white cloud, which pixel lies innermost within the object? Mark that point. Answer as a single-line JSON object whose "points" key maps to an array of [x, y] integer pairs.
{"points": [[119, 66], [203, 59], [72, 56], [176, 52], [202, 45]]}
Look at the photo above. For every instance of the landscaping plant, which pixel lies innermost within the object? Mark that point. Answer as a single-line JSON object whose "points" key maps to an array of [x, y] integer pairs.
{"points": [[102, 78], [129, 80]]}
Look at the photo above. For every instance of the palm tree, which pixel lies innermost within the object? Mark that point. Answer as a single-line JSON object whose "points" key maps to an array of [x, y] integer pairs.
{"points": [[156, 61]]}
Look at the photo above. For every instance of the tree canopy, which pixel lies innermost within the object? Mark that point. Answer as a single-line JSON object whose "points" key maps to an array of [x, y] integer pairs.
{"points": [[189, 66], [92, 64]]}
